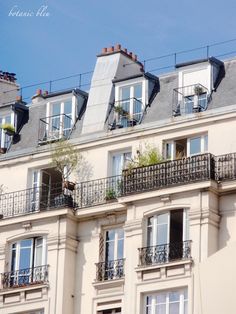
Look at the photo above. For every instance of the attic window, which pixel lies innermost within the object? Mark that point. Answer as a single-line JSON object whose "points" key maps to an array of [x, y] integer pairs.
{"points": [[129, 103], [190, 99]]}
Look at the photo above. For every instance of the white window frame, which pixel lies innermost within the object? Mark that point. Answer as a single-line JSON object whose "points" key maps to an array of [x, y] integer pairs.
{"points": [[167, 301], [3, 133], [188, 138], [62, 102], [121, 153], [185, 236], [44, 253], [115, 242]]}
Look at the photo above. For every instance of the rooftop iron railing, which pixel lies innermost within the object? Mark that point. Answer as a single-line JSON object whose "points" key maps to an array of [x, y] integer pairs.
{"points": [[137, 180]]}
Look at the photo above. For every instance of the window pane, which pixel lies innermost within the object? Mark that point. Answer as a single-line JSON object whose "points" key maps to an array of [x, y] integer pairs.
{"points": [[110, 251], [161, 309], [188, 104], [120, 247], [26, 243], [161, 298], [174, 308], [68, 108], [138, 91], [205, 143], [202, 101], [56, 109], [174, 296], [163, 218], [38, 252], [13, 257], [110, 235], [25, 256], [125, 93], [195, 146]]}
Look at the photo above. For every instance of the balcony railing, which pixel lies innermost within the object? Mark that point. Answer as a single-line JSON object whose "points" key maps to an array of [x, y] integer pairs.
{"points": [[176, 172], [96, 192], [110, 270], [127, 113], [34, 200], [54, 128], [190, 99], [25, 277], [164, 253]]}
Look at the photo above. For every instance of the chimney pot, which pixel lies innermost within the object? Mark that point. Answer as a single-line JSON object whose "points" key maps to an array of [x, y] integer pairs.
{"points": [[125, 50], [117, 47], [104, 50], [45, 92], [134, 57], [110, 49], [38, 92], [18, 98]]}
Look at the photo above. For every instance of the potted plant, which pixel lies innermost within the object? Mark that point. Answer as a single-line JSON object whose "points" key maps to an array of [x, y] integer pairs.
{"points": [[110, 194], [3, 150], [198, 90], [8, 128]]}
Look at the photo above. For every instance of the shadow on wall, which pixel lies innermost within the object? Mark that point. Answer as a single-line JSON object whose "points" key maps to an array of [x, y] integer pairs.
{"points": [[84, 170]]}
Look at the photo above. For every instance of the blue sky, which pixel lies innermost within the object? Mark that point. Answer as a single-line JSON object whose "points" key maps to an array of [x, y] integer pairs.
{"points": [[67, 42]]}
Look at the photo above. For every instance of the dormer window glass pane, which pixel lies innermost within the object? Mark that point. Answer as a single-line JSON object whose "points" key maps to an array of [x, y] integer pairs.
{"points": [[202, 101], [130, 99], [188, 104]]}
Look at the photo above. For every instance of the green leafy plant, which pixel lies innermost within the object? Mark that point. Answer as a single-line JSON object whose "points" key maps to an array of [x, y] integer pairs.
{"points": [[119, 109], [8, 127], [64, 156], [150, 156], [198, 90], [110, 194]]}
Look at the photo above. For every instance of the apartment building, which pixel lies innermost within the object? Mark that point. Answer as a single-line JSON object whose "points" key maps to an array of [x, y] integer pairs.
{"points": [[144, 240]]}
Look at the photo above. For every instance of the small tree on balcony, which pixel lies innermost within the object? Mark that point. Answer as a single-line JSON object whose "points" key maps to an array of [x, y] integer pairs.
{"points": [[65, 159]]}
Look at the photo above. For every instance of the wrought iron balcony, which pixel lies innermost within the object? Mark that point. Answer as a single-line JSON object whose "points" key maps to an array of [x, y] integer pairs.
{"points": [[164, 253], [34, 200], [96, 192], [126, 113], [25, 277], [190, 99], [176, 172], [54, 128], [110, 270]]}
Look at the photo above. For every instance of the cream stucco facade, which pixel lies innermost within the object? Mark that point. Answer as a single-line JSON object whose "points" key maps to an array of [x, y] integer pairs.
{"points": [[164, 243]]}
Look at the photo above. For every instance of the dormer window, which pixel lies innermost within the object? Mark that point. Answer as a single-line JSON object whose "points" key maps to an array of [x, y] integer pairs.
{"points": [[190, 99], [130, 100], [5, 139], [196, 82], [129, 107], [59, 120]]}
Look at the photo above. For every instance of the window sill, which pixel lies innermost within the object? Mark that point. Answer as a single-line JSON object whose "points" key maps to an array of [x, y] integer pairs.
{"points": [[23, 288]]}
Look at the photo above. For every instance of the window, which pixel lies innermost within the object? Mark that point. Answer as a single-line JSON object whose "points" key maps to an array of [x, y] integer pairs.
{"points": [[171, 302], [130, 102], [28, 259], [112, 255], [167, 238], [59, 120], [4, 138], [119, 162], [186, 147]]}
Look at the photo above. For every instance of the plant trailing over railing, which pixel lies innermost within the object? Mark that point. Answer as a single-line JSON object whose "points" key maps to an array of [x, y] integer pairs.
{"points": [[8, 128], [119, 109]]}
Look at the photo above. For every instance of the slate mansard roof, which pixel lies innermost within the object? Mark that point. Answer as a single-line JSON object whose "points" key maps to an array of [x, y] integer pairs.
{"points": [[160, 109]]}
